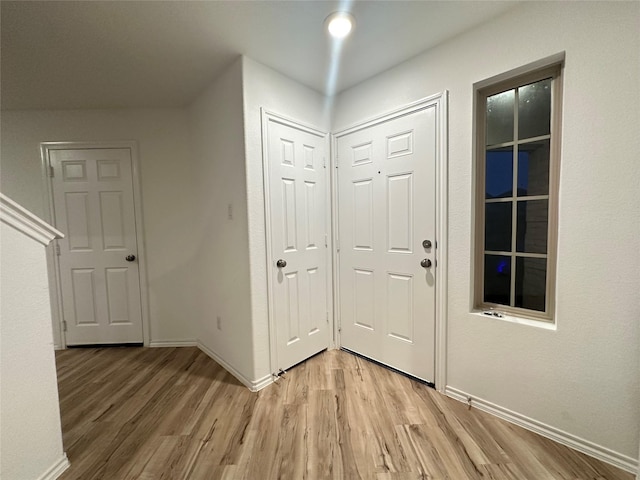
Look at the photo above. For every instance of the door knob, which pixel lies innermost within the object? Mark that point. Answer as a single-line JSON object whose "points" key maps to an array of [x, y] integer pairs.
{"points": [[426, 263], [130, 258], [281, 263]]}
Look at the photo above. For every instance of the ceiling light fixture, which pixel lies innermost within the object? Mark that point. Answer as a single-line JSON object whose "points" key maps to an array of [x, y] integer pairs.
{"points": [[340, 24]]}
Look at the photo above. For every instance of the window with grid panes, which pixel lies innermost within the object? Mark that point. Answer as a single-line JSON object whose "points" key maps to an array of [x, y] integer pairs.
{"points": [[517, 140]]}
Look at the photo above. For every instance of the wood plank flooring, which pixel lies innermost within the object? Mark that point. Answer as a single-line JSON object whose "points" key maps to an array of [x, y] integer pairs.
{"points": [[173, 413]]}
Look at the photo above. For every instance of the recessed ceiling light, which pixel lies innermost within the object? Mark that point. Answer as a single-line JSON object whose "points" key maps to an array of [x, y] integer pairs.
{"points": [[340, 24]]}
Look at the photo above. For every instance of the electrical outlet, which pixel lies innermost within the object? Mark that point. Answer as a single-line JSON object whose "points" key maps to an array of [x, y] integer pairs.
{"points": [[219, 322], [230, 211]]}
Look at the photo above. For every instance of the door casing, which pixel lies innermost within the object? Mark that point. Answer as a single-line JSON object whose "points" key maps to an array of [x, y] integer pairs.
{"points": [[440, 101], [53, 267]]}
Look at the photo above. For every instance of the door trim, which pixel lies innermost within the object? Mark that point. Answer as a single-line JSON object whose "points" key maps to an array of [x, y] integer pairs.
{"points": [[440, 101], [265, 117], [53, 266]]}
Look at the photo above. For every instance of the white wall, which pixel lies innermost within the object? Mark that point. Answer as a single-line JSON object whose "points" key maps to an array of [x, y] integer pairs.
{"points": [[216, 126], [167, 195], [266, 88], [582, 378], [31, 437]]}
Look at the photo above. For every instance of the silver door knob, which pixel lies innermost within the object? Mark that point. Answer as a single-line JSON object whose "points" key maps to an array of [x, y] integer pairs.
{"points": [[130, 258], [426, 263], [281, 263]]}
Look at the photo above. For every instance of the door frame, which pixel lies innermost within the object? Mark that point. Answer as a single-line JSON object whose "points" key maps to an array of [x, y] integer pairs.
{"points": [[267, 116], [53, 264], [440, 101]]}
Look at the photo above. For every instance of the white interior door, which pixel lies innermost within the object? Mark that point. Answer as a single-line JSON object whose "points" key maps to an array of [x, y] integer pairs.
{"points": [[99, 275], [297, 190], [387, 209]]}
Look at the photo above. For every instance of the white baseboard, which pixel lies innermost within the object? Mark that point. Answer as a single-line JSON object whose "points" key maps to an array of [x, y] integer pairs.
{"points": [[253, 385], [56, 469], [580, 444], [173, 343], [261, 383]]}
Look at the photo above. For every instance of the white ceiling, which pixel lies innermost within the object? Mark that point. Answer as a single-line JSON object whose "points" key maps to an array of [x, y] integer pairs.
{"points": [[110, 54]]}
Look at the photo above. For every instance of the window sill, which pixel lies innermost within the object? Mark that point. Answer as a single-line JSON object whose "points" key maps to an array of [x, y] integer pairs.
{"points": [[505, 317]]}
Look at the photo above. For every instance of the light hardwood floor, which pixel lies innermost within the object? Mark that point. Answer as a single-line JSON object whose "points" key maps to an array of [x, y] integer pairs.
{"points": [[173, 413]]}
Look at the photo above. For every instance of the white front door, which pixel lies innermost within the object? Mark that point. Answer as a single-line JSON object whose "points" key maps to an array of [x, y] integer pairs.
{"points": [[297, 192], [99, 277], [387, 217]]}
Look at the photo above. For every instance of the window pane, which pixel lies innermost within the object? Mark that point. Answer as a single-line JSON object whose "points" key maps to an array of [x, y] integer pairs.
{"points": [[499, 173], [531, 283], [500, 113], [531, 233], [497, 226], [497, 279], [534, 109], [533, 168]]}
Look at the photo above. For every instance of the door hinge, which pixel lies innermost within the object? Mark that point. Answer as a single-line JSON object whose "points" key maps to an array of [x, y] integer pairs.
{"points": [[57, 249], [326, 240], [327, 317], [324, 162], [64, 325], [50, 170]]}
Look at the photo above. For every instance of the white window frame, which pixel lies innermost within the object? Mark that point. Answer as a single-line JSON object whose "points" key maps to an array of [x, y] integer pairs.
{"points": [[548, 67]]}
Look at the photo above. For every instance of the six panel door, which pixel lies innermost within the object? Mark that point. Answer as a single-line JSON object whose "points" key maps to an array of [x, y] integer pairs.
{"points": [[386, 195], [93, 204], [296, 159]]}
